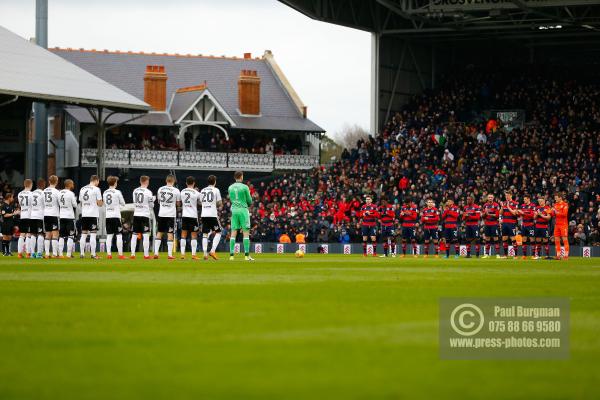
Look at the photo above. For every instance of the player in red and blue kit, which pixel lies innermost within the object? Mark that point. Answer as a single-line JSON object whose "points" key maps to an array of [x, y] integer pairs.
{"points": [[543, 214], [527, 213], [409, 213], [491, 215], [472, 218], [430, 218], [387, 213], [369, 215], [510, 213], [450, 217]]}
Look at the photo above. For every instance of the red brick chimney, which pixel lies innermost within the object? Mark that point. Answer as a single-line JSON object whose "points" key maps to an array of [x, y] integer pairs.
{"points": [[249, 93], [155, 87]]}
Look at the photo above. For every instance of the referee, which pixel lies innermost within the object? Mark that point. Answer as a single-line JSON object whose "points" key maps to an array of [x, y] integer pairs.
{"points": [[8, 223]]}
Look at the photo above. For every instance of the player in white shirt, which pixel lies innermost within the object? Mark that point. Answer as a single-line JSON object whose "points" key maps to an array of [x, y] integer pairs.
{"points": [[36, 219], [210, 198], [68, 204], [169, 198], [90, 198], [51, 213], [143, 201], [190, 199], [113, 201], [24, 199]]}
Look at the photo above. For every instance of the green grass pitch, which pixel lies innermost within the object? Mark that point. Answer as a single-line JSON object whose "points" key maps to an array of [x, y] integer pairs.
{"points": [[323, 327]]}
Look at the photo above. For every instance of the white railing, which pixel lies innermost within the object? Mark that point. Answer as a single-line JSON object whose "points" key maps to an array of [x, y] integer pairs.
{"points": [[296, 162], [199, 160], [154, 158], [257, 162], [202, 160], [114, 158]]}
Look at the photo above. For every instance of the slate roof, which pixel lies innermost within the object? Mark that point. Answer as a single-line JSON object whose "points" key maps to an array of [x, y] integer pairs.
{"points": [[30, 71], [152, 118], [126, 71]]}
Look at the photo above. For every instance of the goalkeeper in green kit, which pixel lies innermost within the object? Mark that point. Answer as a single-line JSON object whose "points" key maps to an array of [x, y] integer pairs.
{"points": [[239, 194]]}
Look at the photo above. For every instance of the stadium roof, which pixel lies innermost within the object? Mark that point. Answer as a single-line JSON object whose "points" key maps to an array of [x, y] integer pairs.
{"points": [[576, 22], [280, 108], [30, 71]]}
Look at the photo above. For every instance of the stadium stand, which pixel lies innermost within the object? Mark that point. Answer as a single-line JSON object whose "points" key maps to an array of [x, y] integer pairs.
{"points": [[441, 146]]}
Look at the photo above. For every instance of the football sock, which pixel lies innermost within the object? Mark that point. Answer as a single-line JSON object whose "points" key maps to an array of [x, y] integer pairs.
{"points": [[404, 248], [497, 248], [468, 249], [194, 246], [182, 244], [47, 247], [231, 246], [146, 244], [557, 247], [61, 246], [567, 248], [70, 242], [20, 244], [170, 248], [247, 246], [40, 244], [157, 243], [505, 247], [82, 241], [456, 249], [547, 249], [109, 240], [516, 248], [134, 239], [93, 244], [215, 242], [385, 249], [55, 247], [205, 245], [365, 248], [414, 246], [437, 249]]}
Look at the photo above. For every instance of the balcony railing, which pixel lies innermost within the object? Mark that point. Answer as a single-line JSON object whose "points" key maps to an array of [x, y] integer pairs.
{"points": [[198, 160]]}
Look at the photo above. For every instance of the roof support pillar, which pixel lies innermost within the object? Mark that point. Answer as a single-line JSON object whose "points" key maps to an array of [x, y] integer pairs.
{"points": [[375, 44]]}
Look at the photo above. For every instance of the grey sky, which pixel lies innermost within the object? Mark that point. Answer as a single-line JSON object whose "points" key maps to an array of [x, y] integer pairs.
{"points": [[328, 65]]}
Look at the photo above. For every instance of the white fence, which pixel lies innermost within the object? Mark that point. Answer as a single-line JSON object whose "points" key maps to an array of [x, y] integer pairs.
{"points": [[199, 160]]}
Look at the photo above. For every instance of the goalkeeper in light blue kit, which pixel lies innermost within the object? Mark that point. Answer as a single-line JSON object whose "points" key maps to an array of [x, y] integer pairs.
{"points": [[239, 194]]}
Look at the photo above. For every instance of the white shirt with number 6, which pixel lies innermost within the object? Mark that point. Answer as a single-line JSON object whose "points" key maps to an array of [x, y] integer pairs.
{"points": [[89, 197]]}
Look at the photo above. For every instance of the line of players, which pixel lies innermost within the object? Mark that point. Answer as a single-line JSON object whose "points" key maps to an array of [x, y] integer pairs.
{"points": [[47, 217], [500, 222]]}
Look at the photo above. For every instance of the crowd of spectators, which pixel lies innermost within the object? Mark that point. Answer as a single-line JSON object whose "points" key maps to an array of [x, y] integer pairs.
{"points": [[442, 146]]}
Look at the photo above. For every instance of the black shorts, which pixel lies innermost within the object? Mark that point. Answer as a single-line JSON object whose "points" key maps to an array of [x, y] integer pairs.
{"points": [[472, 232], [36, 226], [491, 231], [24, 225], [8, 225], [528, 231], [388, 231], [113, 226], [67, 228], [509, 230], [50, 224], [368, 231], [210, 224], [451, 234], [141, 225], [408, 232], [431, 234], [166, 224], [89, 224], [190, 224], [541, 233]]}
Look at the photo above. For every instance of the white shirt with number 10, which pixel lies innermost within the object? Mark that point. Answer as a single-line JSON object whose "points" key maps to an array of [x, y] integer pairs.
{"points": [[209, 197], [143, 201]]}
